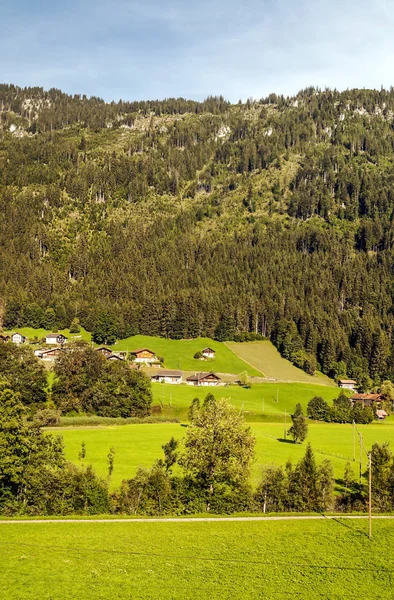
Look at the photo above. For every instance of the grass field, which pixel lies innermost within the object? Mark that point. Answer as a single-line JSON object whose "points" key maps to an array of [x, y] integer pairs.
{"points": [[332, 559], [30, 333], [268, 399], [266, 358], [178, 354], [140, 445]]}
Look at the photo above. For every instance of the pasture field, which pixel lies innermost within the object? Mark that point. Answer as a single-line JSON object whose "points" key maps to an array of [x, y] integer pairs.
{"points": [[30, 333], [140, 445], [262, 401], [205, 560], [178, 354], [265, 357]]}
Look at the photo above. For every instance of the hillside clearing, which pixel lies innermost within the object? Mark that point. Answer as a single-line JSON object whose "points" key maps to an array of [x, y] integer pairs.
{"points": [[178, 354], [264, 357]]}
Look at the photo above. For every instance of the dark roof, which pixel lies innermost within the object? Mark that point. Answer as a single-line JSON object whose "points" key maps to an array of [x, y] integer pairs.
{"points": [[209, 350], [167, 373], [201, 376], [141, 350], [103, 348], [116, 356]]}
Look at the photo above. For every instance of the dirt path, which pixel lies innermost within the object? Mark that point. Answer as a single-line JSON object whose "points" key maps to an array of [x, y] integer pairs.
{"points": [[194, 519]]}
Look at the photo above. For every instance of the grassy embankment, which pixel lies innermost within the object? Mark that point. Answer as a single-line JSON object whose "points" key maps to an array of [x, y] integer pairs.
{"points": [[140, 445], [241, 560]]}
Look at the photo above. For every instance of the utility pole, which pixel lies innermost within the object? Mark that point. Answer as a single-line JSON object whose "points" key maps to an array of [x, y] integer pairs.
{"points": [[370, 493], [277, 395], [354, 440], [263, 405], [285, 427], [361, 456]]}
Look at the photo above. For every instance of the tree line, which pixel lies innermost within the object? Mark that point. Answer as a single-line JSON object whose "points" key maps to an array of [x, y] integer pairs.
{"points": [[212, 472]]}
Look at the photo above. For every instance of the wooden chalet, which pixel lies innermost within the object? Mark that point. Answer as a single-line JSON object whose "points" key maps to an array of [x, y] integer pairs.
{"points": [[167, 376], [203, 379], [144, 355], [116, 356], [208, 353], [57, 339], [104, 351], [347, 384], [48, 353], [366, 399]]}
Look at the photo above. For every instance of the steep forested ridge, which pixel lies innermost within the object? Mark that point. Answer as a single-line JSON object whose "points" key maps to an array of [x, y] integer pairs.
{"points": [[178, 218]]}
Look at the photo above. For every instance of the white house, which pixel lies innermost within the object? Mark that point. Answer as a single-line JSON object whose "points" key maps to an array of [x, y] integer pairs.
{"points": [[55, 339], [208, 353], [18, 338], [347, 384], [166, 376]]}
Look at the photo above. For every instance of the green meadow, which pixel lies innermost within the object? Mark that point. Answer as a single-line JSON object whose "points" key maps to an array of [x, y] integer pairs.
{"points": [[30, 333], [206, 560], [140, 445], [262, 401], [178, 354]]}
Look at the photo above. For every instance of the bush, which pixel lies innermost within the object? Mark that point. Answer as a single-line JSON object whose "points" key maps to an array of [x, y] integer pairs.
{"points": [[198, 355]]}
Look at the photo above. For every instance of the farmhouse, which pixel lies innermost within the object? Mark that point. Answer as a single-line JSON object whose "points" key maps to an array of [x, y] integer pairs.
{"points": [[18, 338], [144, 355], [208, 353], [116, 356], [203, 379], [48, 353], [166, 376], [366, 399], [347, 384], [55, 338], [104, 351]]}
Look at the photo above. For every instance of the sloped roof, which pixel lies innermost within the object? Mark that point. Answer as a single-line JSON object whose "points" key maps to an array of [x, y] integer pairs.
{"points": [[201, 376], [366, 397], [167, 373]]}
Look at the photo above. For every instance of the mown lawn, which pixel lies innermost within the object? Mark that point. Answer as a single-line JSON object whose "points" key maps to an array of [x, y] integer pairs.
{"points": [[140, 445], [266, 358], [205, 560]]}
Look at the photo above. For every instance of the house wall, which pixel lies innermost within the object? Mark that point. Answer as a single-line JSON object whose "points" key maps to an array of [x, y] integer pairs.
{"points": [[347, 386], [167, 379], [148, 359]]}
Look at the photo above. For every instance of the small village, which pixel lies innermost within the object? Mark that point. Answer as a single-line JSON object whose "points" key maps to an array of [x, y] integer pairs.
{"points": [[147, 359]]}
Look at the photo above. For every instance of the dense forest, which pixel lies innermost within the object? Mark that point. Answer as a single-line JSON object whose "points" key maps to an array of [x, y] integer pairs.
{"points": [[178, 218]]}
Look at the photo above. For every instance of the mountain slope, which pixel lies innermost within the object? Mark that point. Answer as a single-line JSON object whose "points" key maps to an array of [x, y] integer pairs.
{"points": [[186, 219]]}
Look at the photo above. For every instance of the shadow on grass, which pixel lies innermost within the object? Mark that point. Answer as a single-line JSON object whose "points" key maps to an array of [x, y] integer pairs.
{"points": [[285, 441]]}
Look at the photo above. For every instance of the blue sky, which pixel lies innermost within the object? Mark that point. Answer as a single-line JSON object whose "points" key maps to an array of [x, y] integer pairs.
{"points": [[160, 48]]}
